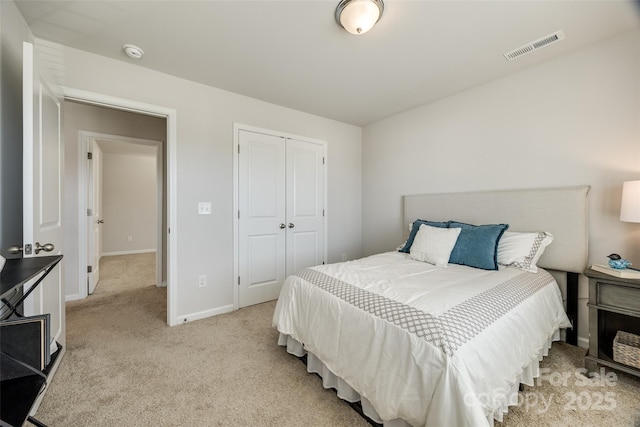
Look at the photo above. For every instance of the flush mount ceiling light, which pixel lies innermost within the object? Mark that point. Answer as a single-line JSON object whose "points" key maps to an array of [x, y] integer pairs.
{"points": [[133, 51], [359, 16]]}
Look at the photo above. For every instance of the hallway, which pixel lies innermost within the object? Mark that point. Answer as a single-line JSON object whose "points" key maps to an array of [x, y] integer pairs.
{"points": [[121, 273]]}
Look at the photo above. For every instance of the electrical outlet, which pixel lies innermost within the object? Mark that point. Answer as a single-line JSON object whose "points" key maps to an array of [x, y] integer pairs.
{"points": [[129, 238], [204, 208], [344, 257], [202, 280]]}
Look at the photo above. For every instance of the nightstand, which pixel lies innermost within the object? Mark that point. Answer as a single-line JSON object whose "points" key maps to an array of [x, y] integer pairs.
{"points": [[614, 304]]}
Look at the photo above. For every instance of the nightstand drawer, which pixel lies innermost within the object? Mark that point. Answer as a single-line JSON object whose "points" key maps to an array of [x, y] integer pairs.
{"points": [[618, 296]]}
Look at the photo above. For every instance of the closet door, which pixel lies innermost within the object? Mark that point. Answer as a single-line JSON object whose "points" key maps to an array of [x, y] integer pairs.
{"points": [[262, 211], [305, 205]]}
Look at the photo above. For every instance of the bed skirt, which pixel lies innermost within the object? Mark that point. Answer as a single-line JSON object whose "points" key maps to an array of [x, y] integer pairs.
{"points": [[347, 393]]}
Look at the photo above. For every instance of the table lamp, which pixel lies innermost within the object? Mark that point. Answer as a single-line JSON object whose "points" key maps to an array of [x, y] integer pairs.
{"points": [[630, 206]]}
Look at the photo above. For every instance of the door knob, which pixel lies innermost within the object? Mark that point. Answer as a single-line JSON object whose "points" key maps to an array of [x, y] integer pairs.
{"points": [[47, 247], [15, 249], [291, 225], [101, 221], [282, 226]]}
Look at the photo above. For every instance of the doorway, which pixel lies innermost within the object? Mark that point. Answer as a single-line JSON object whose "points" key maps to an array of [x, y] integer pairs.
{"points": [[77, 213], [124, 182]]}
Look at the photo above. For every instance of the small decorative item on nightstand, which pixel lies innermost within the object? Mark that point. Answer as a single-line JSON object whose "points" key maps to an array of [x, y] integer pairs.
{"points": [[618, 267], [617, 262]]}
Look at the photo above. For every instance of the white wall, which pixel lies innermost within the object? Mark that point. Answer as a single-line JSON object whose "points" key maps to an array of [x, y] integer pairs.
{"points": [[129, 207], [82, 117], [205, 118], [571, 121]]}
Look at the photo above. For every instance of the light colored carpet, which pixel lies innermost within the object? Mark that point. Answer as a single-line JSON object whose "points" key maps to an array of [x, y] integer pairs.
{"points": [[126, 272], [125, 367]]}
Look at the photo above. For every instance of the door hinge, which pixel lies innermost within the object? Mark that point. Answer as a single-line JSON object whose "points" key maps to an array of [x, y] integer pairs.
{"points": [[322, 212], [238, 148], [89, 269], [238, 214], [90, 155], [238, 280], [89, 213], [323, 160]]}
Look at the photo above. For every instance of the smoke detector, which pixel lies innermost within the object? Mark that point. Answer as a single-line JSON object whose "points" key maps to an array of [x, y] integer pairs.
{"points": [[534, 45], [133, 51]]}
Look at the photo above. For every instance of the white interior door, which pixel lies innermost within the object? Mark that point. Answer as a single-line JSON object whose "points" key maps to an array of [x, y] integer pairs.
{"points": [[261, 227], [94, 213], [305, 205], [42, 187]]}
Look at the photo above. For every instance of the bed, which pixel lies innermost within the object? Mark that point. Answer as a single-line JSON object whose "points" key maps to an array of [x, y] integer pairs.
{"points": [[447, 344]]}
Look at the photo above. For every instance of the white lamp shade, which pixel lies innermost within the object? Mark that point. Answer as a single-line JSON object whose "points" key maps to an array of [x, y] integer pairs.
{"points": [[359, 16], [630, 206]]}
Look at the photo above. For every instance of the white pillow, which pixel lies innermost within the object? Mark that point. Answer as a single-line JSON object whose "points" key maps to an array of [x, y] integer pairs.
{"points": [[434, 244], [523, 250]]}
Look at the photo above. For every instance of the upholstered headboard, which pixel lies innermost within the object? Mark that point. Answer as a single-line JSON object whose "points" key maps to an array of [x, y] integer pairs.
{"points": [[561, 211]]}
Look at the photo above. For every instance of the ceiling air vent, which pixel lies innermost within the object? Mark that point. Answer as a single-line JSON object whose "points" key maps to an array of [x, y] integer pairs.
{"points": [[534, 45]]}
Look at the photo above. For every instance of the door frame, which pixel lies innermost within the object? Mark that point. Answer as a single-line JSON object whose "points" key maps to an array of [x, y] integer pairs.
{"points": [[171, 162], [237, 127], [84, 137]]}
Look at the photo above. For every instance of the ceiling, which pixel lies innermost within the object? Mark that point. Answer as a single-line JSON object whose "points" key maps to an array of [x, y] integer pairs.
{"points": [[293, 53]]}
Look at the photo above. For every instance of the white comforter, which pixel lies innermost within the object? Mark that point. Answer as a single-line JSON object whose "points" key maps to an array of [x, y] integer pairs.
{"points": [[433, 346]]}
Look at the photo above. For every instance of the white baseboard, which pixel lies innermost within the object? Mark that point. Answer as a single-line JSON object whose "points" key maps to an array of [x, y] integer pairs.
{"points": [[204, 314], [73, 297], [583, 342], [138, 251]]}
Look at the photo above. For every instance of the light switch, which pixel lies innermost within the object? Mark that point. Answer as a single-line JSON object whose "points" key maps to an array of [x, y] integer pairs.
{"points": [[204, 208]]}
